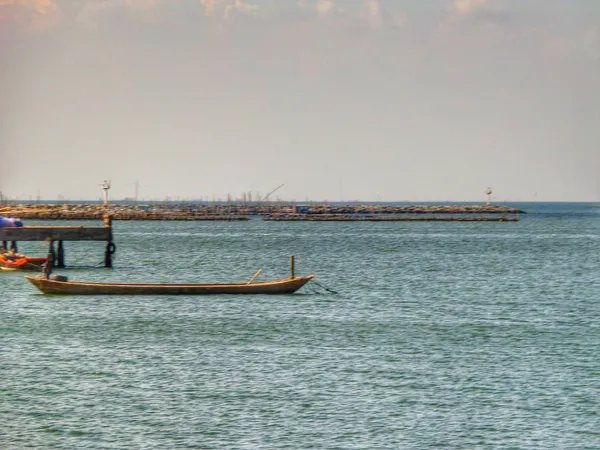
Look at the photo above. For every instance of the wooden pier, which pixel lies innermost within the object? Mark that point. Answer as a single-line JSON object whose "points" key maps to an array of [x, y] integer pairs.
{"points": [[61, 234]]}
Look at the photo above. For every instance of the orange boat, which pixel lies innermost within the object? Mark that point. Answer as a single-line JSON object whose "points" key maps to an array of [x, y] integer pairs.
{"points": [[20, 262]]}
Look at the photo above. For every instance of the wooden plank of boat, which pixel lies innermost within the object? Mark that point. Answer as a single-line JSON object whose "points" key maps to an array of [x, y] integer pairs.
{"points": [[284, 286]]}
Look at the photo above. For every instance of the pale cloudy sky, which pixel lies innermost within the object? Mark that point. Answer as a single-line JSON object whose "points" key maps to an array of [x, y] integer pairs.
{"points": [[423, 100]]}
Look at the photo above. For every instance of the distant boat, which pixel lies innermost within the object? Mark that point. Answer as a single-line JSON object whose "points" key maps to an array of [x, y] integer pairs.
{"points": [[61, 286]]}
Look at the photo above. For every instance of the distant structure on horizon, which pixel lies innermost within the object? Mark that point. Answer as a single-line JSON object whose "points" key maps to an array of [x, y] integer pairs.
{"points": [[105, 187], [488, 196]]}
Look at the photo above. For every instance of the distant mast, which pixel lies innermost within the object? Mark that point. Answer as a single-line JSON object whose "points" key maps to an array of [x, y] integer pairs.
{"points": [[105, 187], [488, 196]]}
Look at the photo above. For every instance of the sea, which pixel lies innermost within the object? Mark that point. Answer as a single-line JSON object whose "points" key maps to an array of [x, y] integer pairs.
{"points": [[413, 335]]}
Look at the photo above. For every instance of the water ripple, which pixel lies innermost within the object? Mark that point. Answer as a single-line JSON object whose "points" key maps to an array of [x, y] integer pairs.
{"points": [[442, 335]]}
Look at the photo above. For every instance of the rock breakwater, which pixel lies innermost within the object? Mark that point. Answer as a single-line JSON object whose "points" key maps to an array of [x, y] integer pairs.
{"points": [[234, 211], [383, 218]]}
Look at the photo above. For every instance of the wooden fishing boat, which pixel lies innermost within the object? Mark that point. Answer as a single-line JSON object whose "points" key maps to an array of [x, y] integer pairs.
{"points": [[62, 286]]}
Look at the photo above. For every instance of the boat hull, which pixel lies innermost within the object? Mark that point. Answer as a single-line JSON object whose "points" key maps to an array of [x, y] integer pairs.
{"points": [[49, 286], [35, 261], [21, 264]]}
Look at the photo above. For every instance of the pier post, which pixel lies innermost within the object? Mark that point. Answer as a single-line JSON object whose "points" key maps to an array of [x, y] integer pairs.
{"points": [[52, 255], [292, 267], [110, 246], [13, 246], [49, 264], [61, 255], [5, 245], [108, 221], [108, 255]]}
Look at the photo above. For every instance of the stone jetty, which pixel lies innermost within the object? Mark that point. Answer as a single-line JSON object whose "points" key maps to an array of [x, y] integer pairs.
{"points": [[117, 212], [382, 218], [406, 209], [238, 212]]}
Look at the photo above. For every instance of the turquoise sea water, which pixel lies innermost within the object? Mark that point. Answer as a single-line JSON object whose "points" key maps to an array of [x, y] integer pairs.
{"points": [[447, 335]]}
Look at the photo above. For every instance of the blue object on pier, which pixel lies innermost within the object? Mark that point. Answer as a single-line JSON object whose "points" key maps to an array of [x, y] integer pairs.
{"points": [[9, 222]]}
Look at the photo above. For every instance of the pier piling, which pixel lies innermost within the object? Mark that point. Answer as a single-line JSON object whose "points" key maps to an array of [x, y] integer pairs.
{"points": [[60, 261]]}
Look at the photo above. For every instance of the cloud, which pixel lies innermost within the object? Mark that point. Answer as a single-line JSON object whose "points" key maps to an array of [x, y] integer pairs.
{"points": [[324, 7], [478, 12], [374, 13], [226, 9], [153, 11], [41, 14], [209, 6], [239, 7], [369, 13], [89, 14], [465, 7], [42, 7], [377, 17], [142, 10], [33, 15]]}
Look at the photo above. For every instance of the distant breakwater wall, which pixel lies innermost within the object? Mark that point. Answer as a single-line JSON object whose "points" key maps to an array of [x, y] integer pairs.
{"points": [[238, 212], [345, 218]]}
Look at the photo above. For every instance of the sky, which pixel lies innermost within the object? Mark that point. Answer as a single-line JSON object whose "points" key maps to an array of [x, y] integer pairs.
{"points": [[370, 100]]}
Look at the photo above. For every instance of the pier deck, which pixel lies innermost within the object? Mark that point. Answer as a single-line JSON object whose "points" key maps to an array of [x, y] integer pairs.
{"points": [[50, 233], [61, 234]]}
